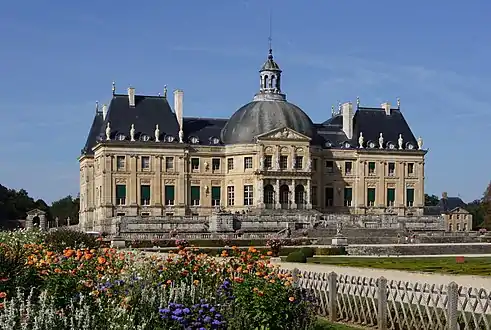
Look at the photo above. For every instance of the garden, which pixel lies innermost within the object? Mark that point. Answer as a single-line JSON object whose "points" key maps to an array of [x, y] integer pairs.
{"points": [[69, 280]]}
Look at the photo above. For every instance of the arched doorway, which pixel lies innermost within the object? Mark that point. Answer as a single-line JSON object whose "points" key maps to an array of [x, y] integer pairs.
{"points": [[269, 196], [284, 196], [300, 196], [36, 222]]}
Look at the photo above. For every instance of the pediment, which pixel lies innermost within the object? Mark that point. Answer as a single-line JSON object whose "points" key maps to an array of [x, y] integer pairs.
{"points": [[36, 212], [459, 210], [282, 134]]}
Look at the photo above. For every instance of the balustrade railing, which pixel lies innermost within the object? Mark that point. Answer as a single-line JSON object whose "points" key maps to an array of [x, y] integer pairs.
{"points": [[396, 305]]}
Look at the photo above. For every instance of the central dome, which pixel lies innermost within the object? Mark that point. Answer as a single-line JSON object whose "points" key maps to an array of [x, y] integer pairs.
{"points": [[259, 117], [268, 111]]}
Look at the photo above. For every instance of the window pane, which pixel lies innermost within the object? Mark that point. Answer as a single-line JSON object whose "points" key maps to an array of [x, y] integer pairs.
{"points": [[169, 192], [195, 192]]}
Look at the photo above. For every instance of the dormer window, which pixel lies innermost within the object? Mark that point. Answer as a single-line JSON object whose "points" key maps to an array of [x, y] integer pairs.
{"points": [[371, 144], [346, 145], [194, 139], [409, 146], [120, 137], [145, 138], [169, 138], [391, 145], [328, 144], [215, 140]]}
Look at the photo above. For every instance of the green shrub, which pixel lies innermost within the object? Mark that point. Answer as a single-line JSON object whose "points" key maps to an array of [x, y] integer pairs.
{"points": [[296, 256], [332, 251], [308, 251], [61, 239]]}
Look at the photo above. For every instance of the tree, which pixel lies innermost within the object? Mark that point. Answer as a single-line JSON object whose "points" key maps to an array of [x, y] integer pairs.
{"points": [[14, 204], [476, 209], [486, 208], [431, 200], [64, 208]]}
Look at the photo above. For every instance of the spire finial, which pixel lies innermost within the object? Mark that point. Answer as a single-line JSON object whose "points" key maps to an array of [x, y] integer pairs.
{"points": [[270, 38], [96, 106], [357, 101], [399, 103], [332, 110], [165, 91], [114, 87]]}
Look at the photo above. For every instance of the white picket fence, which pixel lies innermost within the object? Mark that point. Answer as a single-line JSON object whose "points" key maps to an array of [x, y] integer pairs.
{"points": [[396, 305]]}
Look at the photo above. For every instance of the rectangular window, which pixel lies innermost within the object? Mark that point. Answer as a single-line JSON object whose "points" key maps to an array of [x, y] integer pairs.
{"points": [[230, 195], [145, 162], [195, 195], [313, 195], [348, 196], [371, 168], [329, 166], [215, 164], [230, 164], [194, 164], [145, 194], [268, 161], [283, 162], [169, 163], [314, 164], [215, 196], [120, 194], [409, 196], [329, 196], [348, 167], [120, 162], [410, 168], [299, 162], [247, 162], [391, 170], [371, 197], [169, 195], [248, 195], [391, 196]]}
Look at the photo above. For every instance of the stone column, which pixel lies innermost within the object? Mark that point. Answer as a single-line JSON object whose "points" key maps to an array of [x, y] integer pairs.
{"points": [[260, 193], [133, 186], [277, 194], [293, 205], [308, 193]]}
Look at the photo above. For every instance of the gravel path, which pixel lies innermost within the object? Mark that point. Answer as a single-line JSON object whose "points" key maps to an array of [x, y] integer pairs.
{"points": [[390, 274]]}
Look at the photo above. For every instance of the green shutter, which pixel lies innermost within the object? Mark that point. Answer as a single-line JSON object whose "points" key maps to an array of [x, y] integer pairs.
{"points": [[120, 191], [391, 195], [215, 193], [348, 194], [371, 194], [169, 193], [145, 192], [195, 193], [410, 194]]}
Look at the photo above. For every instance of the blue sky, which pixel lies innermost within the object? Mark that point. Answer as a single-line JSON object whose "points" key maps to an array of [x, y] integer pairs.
{"points": [[58, 57]]}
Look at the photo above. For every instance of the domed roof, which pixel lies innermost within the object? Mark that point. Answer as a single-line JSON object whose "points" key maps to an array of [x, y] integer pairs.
{"points": [[259, 117]]}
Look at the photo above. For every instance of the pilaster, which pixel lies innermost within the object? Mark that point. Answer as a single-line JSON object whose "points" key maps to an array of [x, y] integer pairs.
{"points": [[308, 195], [292, 194], [132, 189], [157, 189], [277, 194]]}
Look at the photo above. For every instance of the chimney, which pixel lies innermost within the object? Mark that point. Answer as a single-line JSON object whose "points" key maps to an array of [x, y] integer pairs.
{"points": [[178, 99], [131, 96], [104, 112], [386, 107], [347, 112], [444, 195]]}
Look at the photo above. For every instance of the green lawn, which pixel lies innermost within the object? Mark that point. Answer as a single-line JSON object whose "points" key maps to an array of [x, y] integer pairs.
{"points": [[447, 265], [323, 324]]}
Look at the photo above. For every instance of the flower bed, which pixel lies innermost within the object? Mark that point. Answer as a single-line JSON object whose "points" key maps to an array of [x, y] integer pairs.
{"points": [[103, 288]]}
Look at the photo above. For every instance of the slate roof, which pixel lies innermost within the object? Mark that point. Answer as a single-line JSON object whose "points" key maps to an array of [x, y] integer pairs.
{"points": [[152, 110], [445, 205]]}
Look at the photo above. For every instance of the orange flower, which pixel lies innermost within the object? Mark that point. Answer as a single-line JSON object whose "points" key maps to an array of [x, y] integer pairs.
{"points": [[238, 279], [101, 260], [196, 282], [3, 294], [57, 270], [88, 256], [68, 253], [292, 299], [270, 253]]}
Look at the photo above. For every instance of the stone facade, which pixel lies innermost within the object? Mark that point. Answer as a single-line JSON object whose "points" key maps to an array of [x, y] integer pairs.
{"points": [[354, 163], [458, 219]]}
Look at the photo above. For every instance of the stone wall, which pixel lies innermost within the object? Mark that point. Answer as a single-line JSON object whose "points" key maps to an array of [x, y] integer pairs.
{"points": [[420, 249]]}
